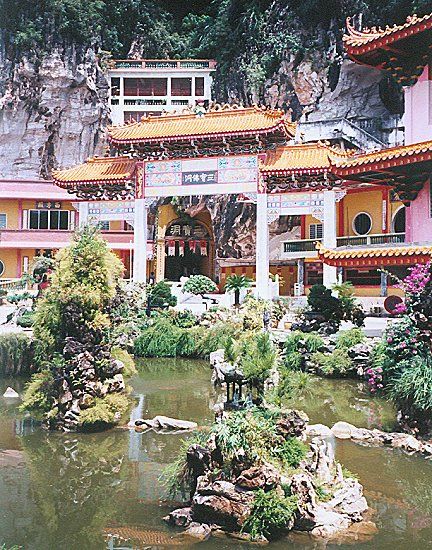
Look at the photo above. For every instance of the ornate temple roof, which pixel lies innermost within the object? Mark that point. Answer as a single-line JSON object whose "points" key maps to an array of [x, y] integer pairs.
{"points": [[104, 170], [218, 124], [403, 50], [375, 256], [396, 156], [307, 158]]}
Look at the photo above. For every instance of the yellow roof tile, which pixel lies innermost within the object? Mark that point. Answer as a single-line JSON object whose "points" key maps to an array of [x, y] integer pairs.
{"points": [[96, 170], [303, 158], [253, 120], [400, 152], [390, 251], [413, 25]]}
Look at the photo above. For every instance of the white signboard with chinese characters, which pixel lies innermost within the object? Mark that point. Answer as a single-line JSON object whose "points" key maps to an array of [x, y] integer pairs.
{"points": [[105, 211], [208, 176], [295, 204]]}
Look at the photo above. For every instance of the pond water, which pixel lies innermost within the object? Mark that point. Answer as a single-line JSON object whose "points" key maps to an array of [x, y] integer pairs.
{"points": [[63, 491]]}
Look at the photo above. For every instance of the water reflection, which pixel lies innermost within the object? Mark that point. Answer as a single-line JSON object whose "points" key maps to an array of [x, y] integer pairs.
{"points": [[71, 491]]}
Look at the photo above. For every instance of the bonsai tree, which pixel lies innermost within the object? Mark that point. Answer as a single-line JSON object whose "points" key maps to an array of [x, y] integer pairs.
{"points": [[199, 285], [236, 283], [160, 295], [79, 384]]}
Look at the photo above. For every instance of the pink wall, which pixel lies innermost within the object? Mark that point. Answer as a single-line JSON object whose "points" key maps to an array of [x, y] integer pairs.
{"points": [[418, 110], [418, 218]]}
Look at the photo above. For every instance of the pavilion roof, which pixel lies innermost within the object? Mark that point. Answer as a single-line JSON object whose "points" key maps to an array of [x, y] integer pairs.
{"points": [[215, 124], [384, 159], [375, 256], [403, 50], [304, 158], [103, 170]]}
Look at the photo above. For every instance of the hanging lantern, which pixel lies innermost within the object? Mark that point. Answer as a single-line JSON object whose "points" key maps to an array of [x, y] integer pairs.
{"points": [[203, 248], [171, 248], [181, 248], [192, 245]]}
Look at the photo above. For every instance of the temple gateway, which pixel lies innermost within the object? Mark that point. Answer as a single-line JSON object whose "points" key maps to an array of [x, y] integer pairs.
{"points": [[347, 214]]}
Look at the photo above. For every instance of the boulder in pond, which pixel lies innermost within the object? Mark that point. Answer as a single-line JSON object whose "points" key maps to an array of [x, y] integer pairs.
{"points": [[10, 393], [163, 423], [343, 430], [199, 531], [318, 430], [259, 477], [182, 517]]}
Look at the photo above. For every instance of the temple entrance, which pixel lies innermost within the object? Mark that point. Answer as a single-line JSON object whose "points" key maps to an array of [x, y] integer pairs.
{"points": [[188, 249]]}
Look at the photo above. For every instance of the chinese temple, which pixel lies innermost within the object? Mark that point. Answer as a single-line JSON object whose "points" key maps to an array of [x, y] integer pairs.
{"points": [[367, 210]]}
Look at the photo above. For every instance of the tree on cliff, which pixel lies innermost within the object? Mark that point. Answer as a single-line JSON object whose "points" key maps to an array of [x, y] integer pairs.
{"points": [[79, 384]]}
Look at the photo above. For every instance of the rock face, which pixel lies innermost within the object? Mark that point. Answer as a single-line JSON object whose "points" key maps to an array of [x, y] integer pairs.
{"points": [[54, 111]]}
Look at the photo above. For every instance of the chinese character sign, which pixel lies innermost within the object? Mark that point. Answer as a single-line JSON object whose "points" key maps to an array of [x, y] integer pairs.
{"points": [[205, 176], [295, 204], [111, 211]]}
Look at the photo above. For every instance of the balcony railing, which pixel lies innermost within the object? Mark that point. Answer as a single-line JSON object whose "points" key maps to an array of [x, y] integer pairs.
{"points": [[165, 64], [309, 245], [381, 238]]}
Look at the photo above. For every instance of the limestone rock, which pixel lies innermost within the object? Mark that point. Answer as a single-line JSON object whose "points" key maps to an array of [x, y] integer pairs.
{"points": [[259, 477], [10, 393], [321, 460], [407, 442], [164, 423], [292, 423], [349, 500], [328, 522], [343, 430], [199, 531], [182, 517], [318, 430], [222, 503]]}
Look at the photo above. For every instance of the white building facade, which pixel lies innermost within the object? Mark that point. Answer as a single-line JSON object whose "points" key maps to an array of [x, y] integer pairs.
{"points": [[147, 87]]}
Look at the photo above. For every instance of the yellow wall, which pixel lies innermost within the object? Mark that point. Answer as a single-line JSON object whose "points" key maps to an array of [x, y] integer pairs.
{"points": [[10, 207], [9, 258]]}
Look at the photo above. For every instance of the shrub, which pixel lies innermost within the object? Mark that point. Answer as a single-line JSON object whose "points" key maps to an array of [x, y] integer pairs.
{"points": [[160, 295], [337, 363], [350, 338], [105, 412], [321, 300], [158, 340], [298, 346], [291, 452], [25, 320], [258, 359], [16, 354], [271, 515], [185, 319], [122, 355], [295, 385], [199, 285], [36, 395], [413, 387]]}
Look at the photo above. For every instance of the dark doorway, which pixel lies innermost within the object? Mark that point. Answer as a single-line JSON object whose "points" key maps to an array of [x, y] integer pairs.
{"points": [[183, 266], [399, 221]]}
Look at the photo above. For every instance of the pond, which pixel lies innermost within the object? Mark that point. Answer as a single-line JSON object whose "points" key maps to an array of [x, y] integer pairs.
{"points": [[68, 491]]}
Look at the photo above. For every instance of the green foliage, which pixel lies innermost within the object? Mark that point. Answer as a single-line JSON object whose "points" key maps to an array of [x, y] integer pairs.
{"points": [[321, 300], [25, 320], [413, 387], [298, 346], [237, 282], [16, 354], [271, 515], [185, 319], [350, 338], [199, 285], [337, 363], [127, 360], [159, 295], [158, 340], [258, 359], [295, 385], [176, 476], [252, 312], [16, 298], [291, 452], [105, 412], [36, 396]]}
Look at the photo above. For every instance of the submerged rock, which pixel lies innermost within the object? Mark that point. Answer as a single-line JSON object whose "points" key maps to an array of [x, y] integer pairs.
{"points": [[163, 423], [182, 517], [319, 430]]}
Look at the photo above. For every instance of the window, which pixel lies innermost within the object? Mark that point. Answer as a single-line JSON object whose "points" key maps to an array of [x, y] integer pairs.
{"points": [[2, 268], [181, 86], [49, 219], [135, 116], [362, 224], [363, 277], [115, 86], [199, 85], [316, 231], [104, 226], [314, 274], [3, 221], [145, 86], [399, 221]]}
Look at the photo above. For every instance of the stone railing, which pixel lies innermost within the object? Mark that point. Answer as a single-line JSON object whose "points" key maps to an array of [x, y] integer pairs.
{"points": [[165, 64], [374, 239]]}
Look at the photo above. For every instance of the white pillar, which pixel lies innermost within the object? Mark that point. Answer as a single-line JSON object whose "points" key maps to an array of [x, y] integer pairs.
{"points": [[329, 235], [83, 208], [262, 248], [140, 242]]}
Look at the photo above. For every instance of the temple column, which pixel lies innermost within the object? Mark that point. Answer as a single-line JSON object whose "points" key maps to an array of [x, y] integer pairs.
{"points": [[300, 275], [262, 248], [83, 208], [329, 235], [140, 242], [384, 284]]}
